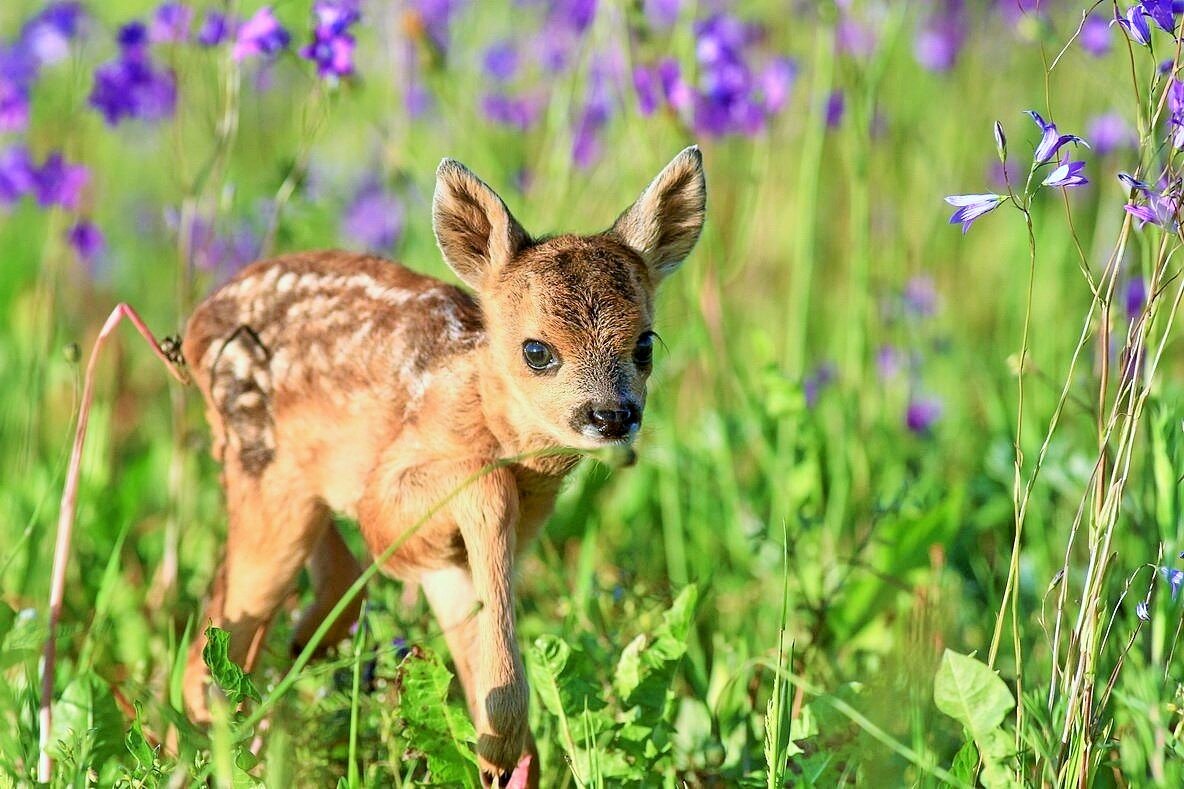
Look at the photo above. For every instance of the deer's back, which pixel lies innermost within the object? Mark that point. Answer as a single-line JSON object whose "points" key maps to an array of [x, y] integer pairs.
{"points": [[333, 342]]}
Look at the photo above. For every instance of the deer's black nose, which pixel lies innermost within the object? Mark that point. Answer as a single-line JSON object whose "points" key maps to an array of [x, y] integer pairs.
{"points": [[613, 420]]}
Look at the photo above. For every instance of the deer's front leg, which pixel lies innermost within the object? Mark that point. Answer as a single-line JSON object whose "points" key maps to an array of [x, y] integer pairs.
{"points": [[470, 591]]}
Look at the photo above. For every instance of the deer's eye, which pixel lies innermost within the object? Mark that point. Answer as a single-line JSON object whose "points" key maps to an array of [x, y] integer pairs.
{"points": [[643, 354], [539, 356]]}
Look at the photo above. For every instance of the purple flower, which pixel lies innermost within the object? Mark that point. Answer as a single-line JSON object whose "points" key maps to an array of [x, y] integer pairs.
{"points": [[971, 207], [889, 362], [922, 414], [1135, 25], [920, 297], [575, 15], [1050, 140], [17, 174], [678, 93], [86, 240], [215, 29], [1174, 579], [131, 87], [594, 114], [1161, 13], [938, 43], [662, 14], [500, 60], [1134, 296], [47, 35], [1095, 36], [1161, 207], [436, 18], [171, 23], [1175, 95], [1066, 175], [645, 83], [332, 47], [14, 106], [1110, 132], [776, 80], [57, 182], [260, 35], [822, 377], [520, 112], [836, 105], [373, 220], [854, 38]]}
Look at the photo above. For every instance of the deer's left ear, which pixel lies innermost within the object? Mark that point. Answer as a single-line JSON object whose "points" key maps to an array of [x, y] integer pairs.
{"points": [[664, 224]]}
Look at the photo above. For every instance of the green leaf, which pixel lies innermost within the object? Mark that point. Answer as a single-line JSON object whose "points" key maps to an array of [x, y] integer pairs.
{"points": [[972, 694], [87, 709], [137, 745], [564, 677], [647, 668], [433, 726], [233, 681]]}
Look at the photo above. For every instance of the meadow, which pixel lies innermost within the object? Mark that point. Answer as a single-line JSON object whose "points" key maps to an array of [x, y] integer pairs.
{"points": [[907, 502]]}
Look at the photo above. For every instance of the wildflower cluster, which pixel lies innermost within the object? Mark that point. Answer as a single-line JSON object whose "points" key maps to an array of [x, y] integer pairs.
{"points": [[1135, 21], [56, 182], [1066, 174], [43, 41]]}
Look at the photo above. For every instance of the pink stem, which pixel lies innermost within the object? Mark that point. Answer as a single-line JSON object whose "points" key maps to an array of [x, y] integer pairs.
{"points": [[61, 549]]}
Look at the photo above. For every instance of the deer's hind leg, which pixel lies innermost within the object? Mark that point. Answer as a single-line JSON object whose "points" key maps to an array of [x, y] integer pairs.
{"points": [[332, 568], [272, 532]]}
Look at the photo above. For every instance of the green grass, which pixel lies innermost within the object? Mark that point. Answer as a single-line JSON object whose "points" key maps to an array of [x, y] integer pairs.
{"points": [[795, 573]]}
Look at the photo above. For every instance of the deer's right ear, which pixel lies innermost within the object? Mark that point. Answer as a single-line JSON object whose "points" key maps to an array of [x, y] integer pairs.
{"points": [[476, 232]]}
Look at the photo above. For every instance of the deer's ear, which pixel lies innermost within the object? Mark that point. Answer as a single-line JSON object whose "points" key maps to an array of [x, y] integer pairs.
{"points": [[476, 232], [664, 224]]}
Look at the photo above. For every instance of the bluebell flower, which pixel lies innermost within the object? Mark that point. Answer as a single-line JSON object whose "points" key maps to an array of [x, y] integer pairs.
{"points": [[1095, 36], [1174, 579], [170, 23], [16, 174], [1110, 132], [1135, 25], [215, 29], [262, 34], [1066, 175], [373, 220], [1162, 13], [1051, 140], [922, 413], [332, 46], [86, 240], [1161, 206], [131, 86], [57, 182], [971, 207], [500, 60], [1134, 297]]}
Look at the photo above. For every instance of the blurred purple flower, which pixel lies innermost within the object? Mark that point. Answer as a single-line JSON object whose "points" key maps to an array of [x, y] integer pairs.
{"points": [[812, 386], [662, 14], [215, 29], [373, 221], [130, 86], [922, 414], [1135, 25], [575, 15], [86, 240], [171, 23], [678, 93], [594, 114], [939, 41], [1175, 93], [47, 35], [519, 112], [645, 84], [1110, 132], [889, 362], [14, 106], [1095, 36], [853, 38], [971, 207], [500, 60], [1134, 297], [776, 80], [332, 46], [920, 296], [16, 174], [57, 182], [260, 35], [436, 18], [1068, 174], [1051, 140], [836, 105]]}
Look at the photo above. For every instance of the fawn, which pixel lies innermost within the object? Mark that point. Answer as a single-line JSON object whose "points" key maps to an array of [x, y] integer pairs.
{"points": [[337, 382]]}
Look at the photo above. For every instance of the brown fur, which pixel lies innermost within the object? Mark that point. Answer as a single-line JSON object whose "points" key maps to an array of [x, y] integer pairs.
{"points": [[347, 383]]}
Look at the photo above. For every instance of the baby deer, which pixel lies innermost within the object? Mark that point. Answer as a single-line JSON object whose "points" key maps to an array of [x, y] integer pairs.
{"points": [[337, 382]]}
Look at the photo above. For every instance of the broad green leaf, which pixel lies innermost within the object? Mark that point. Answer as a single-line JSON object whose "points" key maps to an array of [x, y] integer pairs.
{"points": [[972, 694], [434, 726], [564, 677], [647, 667], [137, 745], [87, 708], [233, 681]]}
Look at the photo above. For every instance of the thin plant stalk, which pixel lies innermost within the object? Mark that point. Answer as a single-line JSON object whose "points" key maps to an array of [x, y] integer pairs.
{"points": [[61, 551]]}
